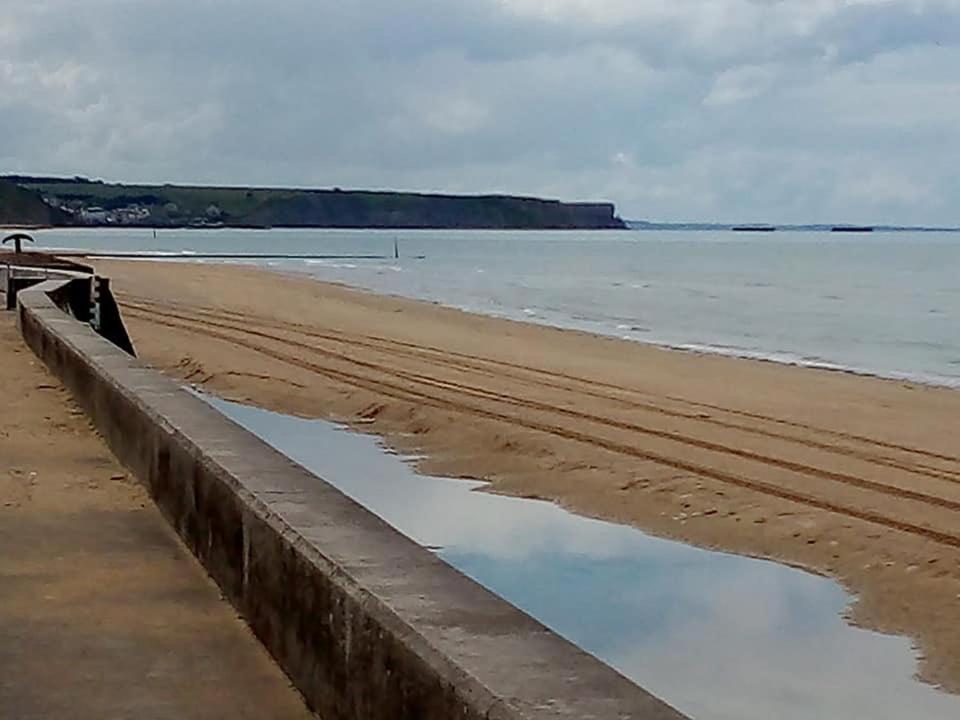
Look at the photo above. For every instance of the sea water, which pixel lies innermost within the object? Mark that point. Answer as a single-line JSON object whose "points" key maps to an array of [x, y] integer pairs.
{"points": [[878, 303]]}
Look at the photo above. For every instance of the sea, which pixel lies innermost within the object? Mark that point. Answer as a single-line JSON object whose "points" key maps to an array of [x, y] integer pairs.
{"points": [[874, 303]]}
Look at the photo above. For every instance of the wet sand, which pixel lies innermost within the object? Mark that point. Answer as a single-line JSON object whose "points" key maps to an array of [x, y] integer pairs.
{"points": [[852, 477], [103, 612]]}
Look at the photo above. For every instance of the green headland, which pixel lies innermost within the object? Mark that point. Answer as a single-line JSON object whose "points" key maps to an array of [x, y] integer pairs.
{"points": [[32, 200]]}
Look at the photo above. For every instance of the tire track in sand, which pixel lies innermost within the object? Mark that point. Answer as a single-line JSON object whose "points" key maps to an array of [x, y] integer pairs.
{"points": [[408, 394], [447, 359]]}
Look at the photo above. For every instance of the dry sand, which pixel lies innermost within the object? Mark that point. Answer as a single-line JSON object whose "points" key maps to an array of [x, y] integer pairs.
{"points": [[103, 612], [852, 477]]}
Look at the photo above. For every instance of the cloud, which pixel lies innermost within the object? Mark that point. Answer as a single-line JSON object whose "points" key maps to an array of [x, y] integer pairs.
{"points": [[786, 110], [742, 83]]}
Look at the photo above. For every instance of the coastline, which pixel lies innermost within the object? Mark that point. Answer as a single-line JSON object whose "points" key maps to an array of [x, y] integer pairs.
{"points": [[927, 355], [782, 358], [811, 468], [786, 359]]}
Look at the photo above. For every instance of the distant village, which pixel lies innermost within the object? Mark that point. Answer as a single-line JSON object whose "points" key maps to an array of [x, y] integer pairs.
{"points": [[135, 213]]}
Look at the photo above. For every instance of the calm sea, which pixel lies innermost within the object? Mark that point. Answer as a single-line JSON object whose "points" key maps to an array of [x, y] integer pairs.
{"points": [[880, 303]]}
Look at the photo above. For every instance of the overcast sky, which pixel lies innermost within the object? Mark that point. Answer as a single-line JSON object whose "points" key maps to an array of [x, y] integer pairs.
{"points": [[775, 110]]}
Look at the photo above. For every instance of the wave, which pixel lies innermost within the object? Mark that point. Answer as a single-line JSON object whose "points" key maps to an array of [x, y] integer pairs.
{"points": [[814, 363], [780, 357], [622, 326]]}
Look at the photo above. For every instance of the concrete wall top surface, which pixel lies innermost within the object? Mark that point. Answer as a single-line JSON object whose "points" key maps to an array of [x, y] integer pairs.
{"points": [[366, 622]]}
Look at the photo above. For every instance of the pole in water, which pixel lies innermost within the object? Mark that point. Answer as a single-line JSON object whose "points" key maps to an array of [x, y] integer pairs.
{"points": [[396, 249]]}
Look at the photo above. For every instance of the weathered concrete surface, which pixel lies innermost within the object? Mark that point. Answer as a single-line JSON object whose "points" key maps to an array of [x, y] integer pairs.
{"points": [[368, 624], [103, 613], [16, 276]]}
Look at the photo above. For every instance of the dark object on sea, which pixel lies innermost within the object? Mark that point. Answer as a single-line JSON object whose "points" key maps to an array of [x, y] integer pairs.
{"points": [[17, 239], [852, 228], [753, 228]]}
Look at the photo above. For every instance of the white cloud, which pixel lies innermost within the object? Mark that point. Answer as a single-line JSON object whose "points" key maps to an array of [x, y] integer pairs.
{"points": [[739, 84]]}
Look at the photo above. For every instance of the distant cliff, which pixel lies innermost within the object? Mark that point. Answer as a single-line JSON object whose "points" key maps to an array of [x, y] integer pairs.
{"points": [[85, 202], [22, 207], [396, 210]]}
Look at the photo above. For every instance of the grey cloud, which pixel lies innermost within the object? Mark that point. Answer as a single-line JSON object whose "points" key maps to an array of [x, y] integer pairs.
{"points": [[739, 109], [862, 31]]}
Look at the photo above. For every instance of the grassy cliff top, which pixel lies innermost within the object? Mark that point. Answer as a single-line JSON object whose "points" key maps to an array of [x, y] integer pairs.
{"points": [[292, 207]]}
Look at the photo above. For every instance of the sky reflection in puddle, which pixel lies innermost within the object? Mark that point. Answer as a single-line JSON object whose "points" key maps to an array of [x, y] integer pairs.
{"points": [[718, 636]]}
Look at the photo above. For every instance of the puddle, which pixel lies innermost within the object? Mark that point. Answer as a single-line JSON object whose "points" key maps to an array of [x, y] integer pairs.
{"points": [[719, 637]]}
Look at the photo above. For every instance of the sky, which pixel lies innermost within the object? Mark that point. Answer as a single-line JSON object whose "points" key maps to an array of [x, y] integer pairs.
{"points": [[695, 110]]}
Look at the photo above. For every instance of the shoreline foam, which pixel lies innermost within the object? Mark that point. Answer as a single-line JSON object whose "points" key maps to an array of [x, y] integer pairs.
{"points": [[600, 327]]}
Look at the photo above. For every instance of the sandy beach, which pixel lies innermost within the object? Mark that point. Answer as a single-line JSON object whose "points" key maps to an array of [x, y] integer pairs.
{"points": [[852, 477]]}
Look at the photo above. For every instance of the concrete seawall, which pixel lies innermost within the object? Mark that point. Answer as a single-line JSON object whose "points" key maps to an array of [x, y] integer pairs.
{"points": [[365, 622]]}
